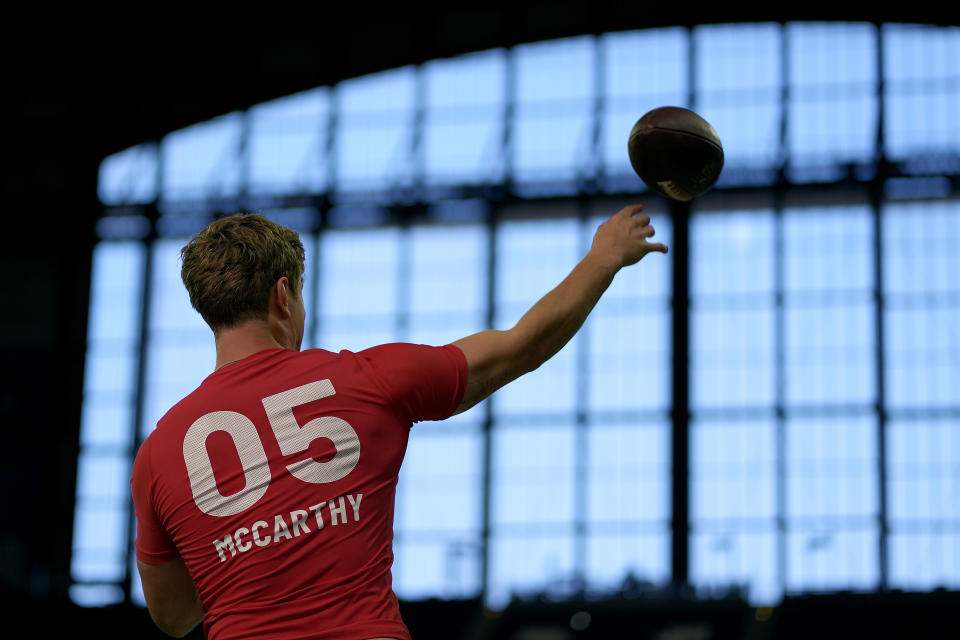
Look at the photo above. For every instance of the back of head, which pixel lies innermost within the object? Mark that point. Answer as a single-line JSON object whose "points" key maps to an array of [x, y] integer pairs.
{"points": [[230, 267]]}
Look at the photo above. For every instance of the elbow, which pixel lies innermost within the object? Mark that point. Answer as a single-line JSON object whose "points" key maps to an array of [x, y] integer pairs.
{"points": [[177, 631], [533, 358], [176, 628]]}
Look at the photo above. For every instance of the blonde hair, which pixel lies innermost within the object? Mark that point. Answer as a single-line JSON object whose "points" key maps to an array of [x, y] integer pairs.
{"points": [[230, 267]]}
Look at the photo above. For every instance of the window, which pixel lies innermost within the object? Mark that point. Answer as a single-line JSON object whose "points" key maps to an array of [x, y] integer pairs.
{"points": [[821, 307]]}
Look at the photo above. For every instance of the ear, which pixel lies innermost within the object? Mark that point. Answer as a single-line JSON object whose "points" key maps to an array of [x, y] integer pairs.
{"points": [[281, 293]]}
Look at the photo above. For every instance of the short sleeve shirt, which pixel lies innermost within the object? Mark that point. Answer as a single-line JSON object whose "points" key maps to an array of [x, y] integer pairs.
{"points": [[275, 482]]}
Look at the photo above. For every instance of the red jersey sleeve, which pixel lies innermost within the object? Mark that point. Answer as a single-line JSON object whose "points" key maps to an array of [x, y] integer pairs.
{"points": [[154, 545], [421, 382]]}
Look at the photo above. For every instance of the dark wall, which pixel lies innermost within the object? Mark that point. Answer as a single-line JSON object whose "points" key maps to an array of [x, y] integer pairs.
{"points": [[49, 207]]}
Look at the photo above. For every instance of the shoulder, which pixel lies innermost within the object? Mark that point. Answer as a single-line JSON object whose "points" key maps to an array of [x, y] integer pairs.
{"points": [[426, 382], [410, 360], [409, 353]]}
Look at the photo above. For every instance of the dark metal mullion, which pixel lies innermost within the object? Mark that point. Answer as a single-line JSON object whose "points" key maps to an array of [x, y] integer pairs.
{"points": [[323, 211], [680, 375], [581, 470], [581, 491], [876, 203], [680, 428], [493, 218], [780, 355], [488, 417]]}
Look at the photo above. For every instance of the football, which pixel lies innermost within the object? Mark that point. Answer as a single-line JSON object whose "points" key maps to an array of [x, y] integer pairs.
{"points": [[675, 152]]}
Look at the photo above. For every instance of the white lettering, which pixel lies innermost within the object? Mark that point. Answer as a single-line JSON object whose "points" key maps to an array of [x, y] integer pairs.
{"points": [[337, 511], [298, 520], [316, 511], [280, 528], [226, 543], [242, 546], [257, 540], [260, 534], [356, 505]]}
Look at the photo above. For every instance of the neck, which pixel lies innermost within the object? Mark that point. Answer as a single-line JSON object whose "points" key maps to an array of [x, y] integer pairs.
{"points": [[236, 343]]}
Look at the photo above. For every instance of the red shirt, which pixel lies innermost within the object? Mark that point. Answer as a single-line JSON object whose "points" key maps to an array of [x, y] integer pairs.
{"points": [[275, 483]]}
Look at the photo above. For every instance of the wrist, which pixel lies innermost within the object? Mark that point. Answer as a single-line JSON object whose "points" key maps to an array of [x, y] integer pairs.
{"points": [[604, 260]]}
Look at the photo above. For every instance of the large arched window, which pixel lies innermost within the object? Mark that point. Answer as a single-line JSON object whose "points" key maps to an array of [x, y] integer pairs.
{"points": [[774, 410]]}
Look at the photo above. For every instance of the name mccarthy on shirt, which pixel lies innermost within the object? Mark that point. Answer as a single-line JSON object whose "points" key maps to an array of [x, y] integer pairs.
{"points": [[287, 526]]}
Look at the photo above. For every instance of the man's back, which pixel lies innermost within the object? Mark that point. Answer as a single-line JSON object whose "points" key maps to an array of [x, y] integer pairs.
{"points": [[275, 480]]}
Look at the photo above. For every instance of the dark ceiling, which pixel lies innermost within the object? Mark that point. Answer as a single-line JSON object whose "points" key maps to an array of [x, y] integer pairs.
{"points": [[113, 87], [90, 85]]}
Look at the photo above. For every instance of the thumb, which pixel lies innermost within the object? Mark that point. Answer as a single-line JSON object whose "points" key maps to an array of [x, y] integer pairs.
{"points": [[657, 246]]}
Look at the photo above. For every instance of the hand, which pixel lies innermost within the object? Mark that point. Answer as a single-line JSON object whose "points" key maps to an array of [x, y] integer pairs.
{"points": [[623, 238]]}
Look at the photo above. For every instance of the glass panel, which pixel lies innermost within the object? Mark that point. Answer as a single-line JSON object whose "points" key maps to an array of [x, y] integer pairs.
{"points": [[533, 258], [115, 290], [532, 477], [738, 81], [920, 251], [739, 562], [103, 477], [643, 70], [522, 566], [833, 83], [463, 130], [629, 473], [373, 137], [203, 161], [628, 561], [106, 423], [921, 90], [922, 310], [449, 269], [831, 355], [925, 560], [732, 321], [106, 430], [181, 350], [831, 560], [628, 333], [733, 471], [552, 133], [100, 527], [129, 177], [287, 149], [828, 249], [359, 272], [733, 253], [831, 470], [96, 595], [923, 458], [440, 481], [447, 569], [96, 565]]}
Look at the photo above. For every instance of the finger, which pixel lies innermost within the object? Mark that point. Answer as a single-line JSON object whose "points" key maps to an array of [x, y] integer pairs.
{"points": [[632, 210], [647, 232], [658, 246], [642, 220]]}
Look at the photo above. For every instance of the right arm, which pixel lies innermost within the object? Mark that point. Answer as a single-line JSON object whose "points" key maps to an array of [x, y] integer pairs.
{"points": [[172, 598], [496, 358]]}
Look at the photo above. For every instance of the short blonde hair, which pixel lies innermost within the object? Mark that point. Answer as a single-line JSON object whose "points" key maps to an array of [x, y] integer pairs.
{"points": [[230, 267]]}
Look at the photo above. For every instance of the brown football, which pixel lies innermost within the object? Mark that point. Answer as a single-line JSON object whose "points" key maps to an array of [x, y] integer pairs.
{"points": [[675, 152]]}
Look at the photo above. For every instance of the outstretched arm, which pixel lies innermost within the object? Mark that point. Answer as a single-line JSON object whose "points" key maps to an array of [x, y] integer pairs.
{"points": [[495, 358]]}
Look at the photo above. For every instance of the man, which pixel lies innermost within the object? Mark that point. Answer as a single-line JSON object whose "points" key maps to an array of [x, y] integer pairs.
{"points": [[265, 498]]}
